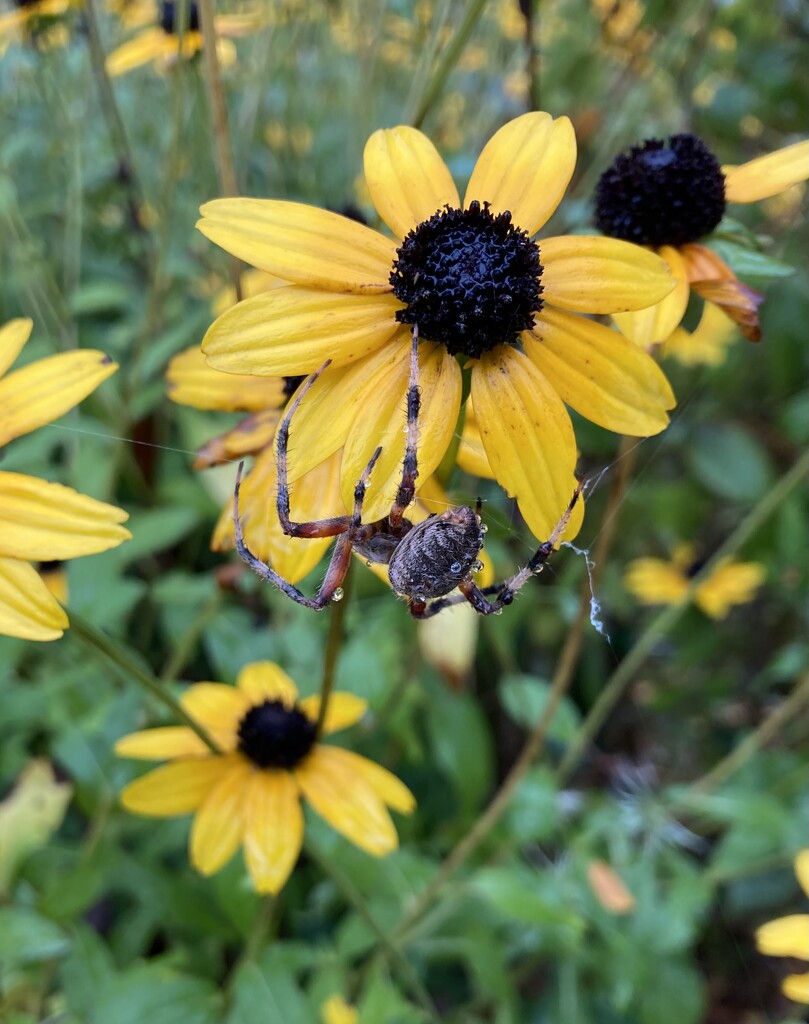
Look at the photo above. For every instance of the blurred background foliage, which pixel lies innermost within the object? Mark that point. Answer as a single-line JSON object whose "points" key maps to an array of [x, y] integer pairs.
{"points": [[101, 918]]}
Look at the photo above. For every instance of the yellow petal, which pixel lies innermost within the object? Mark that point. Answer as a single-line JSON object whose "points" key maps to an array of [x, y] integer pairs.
{"points": [[528, 437], [343, 711], [802, 870], [273, 832], [471, 455], [301, 243], [264, 680], [148, 45], [654, 581], [337, 1011], [346, 800], [335, 398], [767, 175], [27, 608], [707, 344], [249, 436], [42, 521], [796, 987], [525, 168], [44, 390], [653, 325], [13, 336], [600, 373], [387, 787], [406, 177], [253, 282], [216, 707], [786, 936], [729, 584], [382, 421], [176, 788], [314, 496], [218, 827], [161, 744], [588, 274], [191, 381], [293, 331]]}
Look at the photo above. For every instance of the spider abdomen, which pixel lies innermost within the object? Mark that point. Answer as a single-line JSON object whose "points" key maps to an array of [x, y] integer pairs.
{"points": [[436, 555]]}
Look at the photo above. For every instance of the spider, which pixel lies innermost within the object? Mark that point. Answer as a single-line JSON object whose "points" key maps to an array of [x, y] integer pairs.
{"points": [[426, 561]]}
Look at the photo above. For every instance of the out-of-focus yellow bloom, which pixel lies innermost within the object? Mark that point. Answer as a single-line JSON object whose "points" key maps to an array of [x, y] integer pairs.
{"points": [[337, 1011], [655, 581], [789, 936]]}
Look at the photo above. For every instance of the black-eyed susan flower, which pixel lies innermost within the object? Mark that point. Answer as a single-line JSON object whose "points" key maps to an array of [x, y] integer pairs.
{"points": [[39, 17], [162, 41], [656, 581], [789, 936], [484, 295], [42, 521], [670, 195], [250, 795], [336, 1010]]}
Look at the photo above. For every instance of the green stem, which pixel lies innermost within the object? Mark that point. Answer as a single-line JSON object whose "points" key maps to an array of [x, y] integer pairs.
{"points": [[178, 658], [386, 944], [449, 59], [120, 657], [665, 621], [334, 643]]}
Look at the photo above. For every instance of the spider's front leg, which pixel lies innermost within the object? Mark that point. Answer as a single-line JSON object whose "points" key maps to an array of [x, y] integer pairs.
{"points": [[410, 466]]}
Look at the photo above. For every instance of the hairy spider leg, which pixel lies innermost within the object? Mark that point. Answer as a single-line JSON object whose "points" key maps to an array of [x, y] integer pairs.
{"points": [[321, 527], [505, 592], [340, 559], [410, 465]]}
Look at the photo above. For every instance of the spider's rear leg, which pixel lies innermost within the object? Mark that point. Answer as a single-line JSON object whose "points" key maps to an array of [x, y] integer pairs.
{"points": [[321, 527], [410, 465]]}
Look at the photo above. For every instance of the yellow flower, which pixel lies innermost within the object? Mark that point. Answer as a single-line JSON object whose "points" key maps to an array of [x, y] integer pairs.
{"points": [[655, 581], [250, 794], [789, 936], [37, 17], [337, 1011], [41, 521], [470, 277], [669, 196], [161, 43]]}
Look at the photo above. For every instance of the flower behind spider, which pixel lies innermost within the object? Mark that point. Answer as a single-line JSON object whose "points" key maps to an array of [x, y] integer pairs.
{"points": [[250, 794], [670, 195], [481, 291], [42, 521], [789, 936], [655, 581]]}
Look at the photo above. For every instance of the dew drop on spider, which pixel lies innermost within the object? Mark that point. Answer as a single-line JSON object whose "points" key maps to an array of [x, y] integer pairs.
{"points": [[455, 567], [477, 565], [338, 594], [484, 528]]}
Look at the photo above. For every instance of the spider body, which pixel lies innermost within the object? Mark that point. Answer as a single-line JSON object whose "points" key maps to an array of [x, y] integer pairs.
{"points": [[426, 561]]}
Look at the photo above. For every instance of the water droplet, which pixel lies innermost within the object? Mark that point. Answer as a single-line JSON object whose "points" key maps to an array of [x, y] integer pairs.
{"points": [[477, 565], [538, 569], [499, 611], [368, 562], [484, 528], [338, 594], [455, 567]]}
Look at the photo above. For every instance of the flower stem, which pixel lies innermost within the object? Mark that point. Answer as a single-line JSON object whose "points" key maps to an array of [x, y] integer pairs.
{"points": [[665, 621], [334, 642], [449, 59], [128, 666]]}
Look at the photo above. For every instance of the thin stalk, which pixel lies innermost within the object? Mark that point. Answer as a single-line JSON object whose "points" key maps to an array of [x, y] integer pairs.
{"points": [[120, 657], [449, 59], [387, 944], [665, 621], [217, 107], [530, 12], [178, 658], [334, 643]]}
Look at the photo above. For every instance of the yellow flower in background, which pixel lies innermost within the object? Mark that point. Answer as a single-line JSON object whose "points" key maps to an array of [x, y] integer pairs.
{"points": [[42, 521], [337, 1011], [655, 581], [482, 294], [161, 42], [40, 17], [271, 760], [789, 936], [669, 195]]}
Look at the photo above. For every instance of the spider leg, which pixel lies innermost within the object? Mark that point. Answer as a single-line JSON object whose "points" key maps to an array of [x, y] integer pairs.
{"points": [[410, 465], [359, 492], [335, 574], [321, 527]]}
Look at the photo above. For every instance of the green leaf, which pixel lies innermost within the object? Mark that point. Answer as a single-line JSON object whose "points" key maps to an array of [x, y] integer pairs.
{"points": [[534, 812], [26, 938], [730, 462], [533, 897], [675, 995], [525, 698], [267, 992], [152, 993], [461, 743], [750, 262]]}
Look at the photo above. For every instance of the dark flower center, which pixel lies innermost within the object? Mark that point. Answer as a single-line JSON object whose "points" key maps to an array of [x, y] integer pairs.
{"points": [[275, 736], [168, 14], [469, 279], [661, 193]]}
